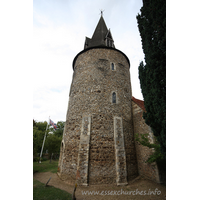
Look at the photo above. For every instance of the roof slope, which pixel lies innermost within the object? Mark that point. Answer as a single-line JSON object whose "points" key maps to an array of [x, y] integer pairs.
{"points": [[140, 103], [100, 31], [99, 35]]}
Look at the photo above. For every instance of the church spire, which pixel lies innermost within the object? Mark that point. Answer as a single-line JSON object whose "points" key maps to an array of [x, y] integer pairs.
{"points": [[101, 36]]}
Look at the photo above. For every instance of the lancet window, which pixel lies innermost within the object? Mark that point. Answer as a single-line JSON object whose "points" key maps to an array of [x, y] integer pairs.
{"points": [[114, 97]]}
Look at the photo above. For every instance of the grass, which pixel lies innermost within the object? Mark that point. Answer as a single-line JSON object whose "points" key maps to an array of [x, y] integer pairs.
{"points": [[40, 192], [45, 166]]}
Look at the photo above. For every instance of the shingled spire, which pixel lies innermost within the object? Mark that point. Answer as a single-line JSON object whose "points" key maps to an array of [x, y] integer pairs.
{"points": [[101, 37]]}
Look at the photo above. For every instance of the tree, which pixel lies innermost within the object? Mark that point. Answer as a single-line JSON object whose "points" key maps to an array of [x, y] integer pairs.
{"points": [[34, 123], [53, 143], [41, 125], [60, 127], [39, 129], [152, 75], [54, 140]]}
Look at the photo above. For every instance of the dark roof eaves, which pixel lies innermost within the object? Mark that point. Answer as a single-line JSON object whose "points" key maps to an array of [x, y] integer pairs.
{"points": [[98, 47]]}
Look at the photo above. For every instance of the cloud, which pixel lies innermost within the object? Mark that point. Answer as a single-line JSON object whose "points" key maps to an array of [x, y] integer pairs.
{"points": [[59, 32], [50, 102]]}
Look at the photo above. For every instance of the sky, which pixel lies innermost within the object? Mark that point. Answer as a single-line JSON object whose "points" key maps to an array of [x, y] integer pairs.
{"points": [[59, 31]]}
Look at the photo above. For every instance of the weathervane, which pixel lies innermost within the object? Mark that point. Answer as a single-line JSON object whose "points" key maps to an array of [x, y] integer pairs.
{"points": [[101, 12]]}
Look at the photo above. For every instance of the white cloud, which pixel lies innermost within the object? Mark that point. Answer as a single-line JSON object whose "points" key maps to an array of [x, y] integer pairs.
{"points": [[58, 36], [48, 102]]}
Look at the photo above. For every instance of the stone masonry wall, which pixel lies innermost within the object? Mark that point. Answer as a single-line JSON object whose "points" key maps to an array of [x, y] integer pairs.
{"points": [[147, 170], [98, 137]]}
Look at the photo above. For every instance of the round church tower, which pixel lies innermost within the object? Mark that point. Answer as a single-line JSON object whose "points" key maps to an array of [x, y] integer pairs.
{"points": [[98, 145]]}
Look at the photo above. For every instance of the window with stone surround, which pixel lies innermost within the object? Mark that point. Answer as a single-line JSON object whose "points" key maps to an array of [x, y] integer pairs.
{"points": [[113, 68], [113, 97]]}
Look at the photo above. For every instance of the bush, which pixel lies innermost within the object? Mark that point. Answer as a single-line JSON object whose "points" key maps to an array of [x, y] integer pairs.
{"points": [[156, 156], [44, 159], [36, 159]]}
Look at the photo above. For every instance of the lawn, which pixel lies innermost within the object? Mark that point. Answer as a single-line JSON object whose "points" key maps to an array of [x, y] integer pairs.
{"points": [[45, 166], [40, 192]]}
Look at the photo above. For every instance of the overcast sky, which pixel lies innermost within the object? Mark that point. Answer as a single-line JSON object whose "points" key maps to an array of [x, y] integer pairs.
{"points": [[59, 31]]}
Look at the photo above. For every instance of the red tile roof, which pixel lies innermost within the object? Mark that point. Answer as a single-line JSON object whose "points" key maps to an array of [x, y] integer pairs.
{"points": [[140, 103]]}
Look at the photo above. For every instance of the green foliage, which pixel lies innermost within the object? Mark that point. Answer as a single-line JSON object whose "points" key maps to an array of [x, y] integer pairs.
{"points": [[44, 159], [152, 75], [156, 156], [45, 166], [36, 159], [41, 126], [38, 136], [34, 123], [53, 143], [60, 127], [40, 192]]}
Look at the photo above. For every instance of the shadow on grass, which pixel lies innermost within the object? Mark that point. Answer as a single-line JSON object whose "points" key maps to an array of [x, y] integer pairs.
{"points": [[41, 192]]}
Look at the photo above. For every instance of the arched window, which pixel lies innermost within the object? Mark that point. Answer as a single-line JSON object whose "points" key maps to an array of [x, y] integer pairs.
{"points": [[114, 97], [113, 67]]}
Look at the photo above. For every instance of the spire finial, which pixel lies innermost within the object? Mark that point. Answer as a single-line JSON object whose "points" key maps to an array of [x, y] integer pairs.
{"points": [[102, 12]]}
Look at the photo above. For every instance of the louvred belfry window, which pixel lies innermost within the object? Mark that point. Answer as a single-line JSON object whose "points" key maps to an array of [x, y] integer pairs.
{"points": [[109, 42]]}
